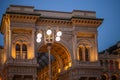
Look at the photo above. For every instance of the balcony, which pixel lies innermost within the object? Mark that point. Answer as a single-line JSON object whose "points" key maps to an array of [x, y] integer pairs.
{"points": [[88, 64], [22, 62]]}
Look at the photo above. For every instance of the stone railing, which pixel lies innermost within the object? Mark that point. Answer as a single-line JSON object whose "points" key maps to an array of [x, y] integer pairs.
{"points": [[88, 64], [21, 62]]}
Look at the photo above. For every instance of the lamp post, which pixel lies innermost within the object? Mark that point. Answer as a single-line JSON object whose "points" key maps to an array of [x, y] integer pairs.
{"points": [[49, 38]]}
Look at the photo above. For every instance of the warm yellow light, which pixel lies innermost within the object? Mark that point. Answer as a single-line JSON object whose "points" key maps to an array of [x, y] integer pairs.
{"points": [[66, 67], [119, 66], [59, 70], [70, 64]]}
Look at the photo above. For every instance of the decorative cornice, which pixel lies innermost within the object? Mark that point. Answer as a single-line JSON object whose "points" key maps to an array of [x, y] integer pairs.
{"points": [[23, 18], [89, 22], [53, 21]]}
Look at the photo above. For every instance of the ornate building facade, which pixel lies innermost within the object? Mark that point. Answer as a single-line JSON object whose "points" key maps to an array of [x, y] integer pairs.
{"points": [[75, 57], [110, 62]]}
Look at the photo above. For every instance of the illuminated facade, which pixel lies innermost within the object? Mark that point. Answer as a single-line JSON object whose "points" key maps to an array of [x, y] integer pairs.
{"points": [[110, 62], [75, 57]]}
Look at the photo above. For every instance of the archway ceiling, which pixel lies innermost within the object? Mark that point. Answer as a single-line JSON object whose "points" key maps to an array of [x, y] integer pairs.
{"points": [[56, 50], [42, 59]]}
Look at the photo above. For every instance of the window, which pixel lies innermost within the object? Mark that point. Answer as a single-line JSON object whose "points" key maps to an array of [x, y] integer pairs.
{"points": [[103, 77], [21, 51], [80, 54], [24, 51], [111, 65], [17, 51], [101, 62], [106, 64], [116, 65], [86, 54], [113, 77]]}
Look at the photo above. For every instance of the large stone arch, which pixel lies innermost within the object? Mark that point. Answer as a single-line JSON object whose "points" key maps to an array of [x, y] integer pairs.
{"points": [[114, 77], [60, 52], [61, 63], [104, 76]]}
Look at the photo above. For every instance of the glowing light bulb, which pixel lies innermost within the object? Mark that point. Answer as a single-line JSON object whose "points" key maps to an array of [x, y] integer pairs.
{"points": [[59, 33], [38, 40], [39, 35], [49, 32], [57, 38]]}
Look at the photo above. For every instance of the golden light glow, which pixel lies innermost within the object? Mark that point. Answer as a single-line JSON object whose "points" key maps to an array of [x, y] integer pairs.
{"points": [[4, 58], [0, 78], [70, 64], [66, 67], [59, 70], [118, 65], [30, 55], [13, 52]]}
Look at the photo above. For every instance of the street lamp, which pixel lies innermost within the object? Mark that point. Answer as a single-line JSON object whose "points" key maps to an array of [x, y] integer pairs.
{"points": [[49, 38]]}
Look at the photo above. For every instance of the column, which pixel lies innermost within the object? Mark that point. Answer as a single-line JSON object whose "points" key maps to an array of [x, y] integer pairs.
{"points": [[74, 48], [10, 46], [90, 54], [78, 56], [33, 43], [96, 47]]}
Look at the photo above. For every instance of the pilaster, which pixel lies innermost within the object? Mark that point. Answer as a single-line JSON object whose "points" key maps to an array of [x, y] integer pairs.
{"points": [[74, 48]]}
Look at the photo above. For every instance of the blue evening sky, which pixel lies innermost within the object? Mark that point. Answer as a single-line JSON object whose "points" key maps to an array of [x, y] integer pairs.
{"points": [[108, 32]]}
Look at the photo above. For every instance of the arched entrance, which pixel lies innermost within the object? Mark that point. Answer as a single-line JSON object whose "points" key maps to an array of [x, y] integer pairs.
{"points": [[113, 77], [60, 61], [104, 77]]}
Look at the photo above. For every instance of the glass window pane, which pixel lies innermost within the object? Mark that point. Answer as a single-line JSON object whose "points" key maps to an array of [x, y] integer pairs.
{"points": [[86, 54], [17, 47], [80, 53], [24, 51], [24, 47]]}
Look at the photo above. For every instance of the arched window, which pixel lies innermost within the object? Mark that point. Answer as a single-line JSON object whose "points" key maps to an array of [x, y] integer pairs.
{"points": [[17, 51], [21, 51], [103, 77], [116, 65], [106, 64], [113, 77], [80, 54], [24, 51], [111, 65], [86, 54], [101, 63]]}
